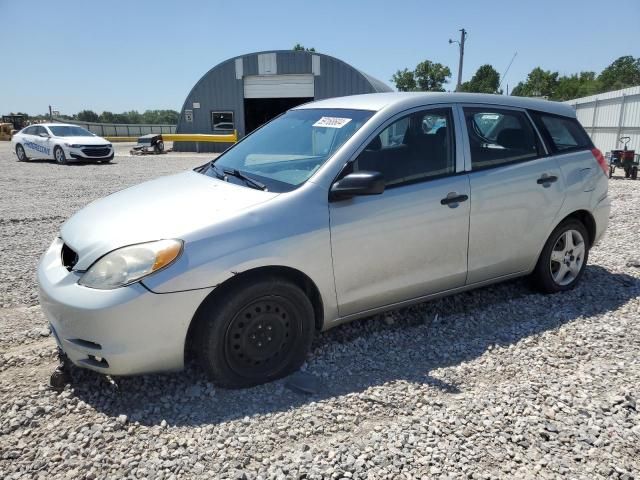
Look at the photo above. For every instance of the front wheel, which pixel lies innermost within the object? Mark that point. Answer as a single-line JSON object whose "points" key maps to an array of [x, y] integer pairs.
{"points": [[22, 155], [59, 155], [634, 173], [259, 331], [563, 258]]}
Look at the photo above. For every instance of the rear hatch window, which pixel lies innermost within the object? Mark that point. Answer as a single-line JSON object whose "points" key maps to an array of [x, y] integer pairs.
{"points": [[562, 134]]}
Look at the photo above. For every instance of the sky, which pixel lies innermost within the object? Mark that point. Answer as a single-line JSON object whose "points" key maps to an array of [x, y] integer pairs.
{"points": [[142, 54]]}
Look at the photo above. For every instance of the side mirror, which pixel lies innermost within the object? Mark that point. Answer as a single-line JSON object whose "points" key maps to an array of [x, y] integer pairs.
{"points": [[43, 135], [358, 183]]}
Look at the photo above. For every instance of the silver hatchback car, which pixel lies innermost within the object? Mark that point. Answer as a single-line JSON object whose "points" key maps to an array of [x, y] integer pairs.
{"points": [[335, 210]]}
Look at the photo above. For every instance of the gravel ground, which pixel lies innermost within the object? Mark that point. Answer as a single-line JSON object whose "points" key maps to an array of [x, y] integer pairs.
{"points": [[499, 382]]}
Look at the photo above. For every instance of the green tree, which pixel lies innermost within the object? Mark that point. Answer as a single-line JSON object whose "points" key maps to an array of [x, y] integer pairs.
{"points": [[87, 116], [623, 72], [539, 83], [431, 77], [576, 86], [160, 116], [485, 80], [404, 80], [106, 117], [300, 48]]}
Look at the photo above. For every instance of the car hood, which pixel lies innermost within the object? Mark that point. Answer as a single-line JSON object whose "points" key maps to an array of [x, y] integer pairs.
{"points": [[168, 207], [84, 140]]}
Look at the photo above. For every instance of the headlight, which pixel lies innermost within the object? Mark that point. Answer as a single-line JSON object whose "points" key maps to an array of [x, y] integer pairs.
{"points": [[72, 145], [129, 264]]}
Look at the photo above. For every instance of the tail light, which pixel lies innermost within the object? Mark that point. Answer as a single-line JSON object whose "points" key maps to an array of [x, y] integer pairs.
{"points": [[601, 160]]}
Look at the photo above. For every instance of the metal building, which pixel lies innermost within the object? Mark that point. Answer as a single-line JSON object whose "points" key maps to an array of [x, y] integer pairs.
{"points": [[609, 116], [244, 92]]}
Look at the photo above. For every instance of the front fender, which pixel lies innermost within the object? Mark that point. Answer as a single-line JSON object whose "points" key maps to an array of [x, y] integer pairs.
{"points": [[290, 231]]}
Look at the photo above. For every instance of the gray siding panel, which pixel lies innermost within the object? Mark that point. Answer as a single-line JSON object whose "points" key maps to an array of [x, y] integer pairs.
{"points": [[219, 90], [251, 64], [290, 63]]}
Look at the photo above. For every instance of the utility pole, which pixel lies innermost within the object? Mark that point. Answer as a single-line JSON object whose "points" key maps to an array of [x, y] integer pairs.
{"points": [[50, 113], [463, 37]]}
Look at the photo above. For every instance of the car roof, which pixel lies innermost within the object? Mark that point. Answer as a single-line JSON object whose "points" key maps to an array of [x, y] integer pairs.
{"points": [[406, 100]]}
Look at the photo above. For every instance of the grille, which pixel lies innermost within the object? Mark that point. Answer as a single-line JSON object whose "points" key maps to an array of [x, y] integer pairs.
{"points": [[96, 152], [69, 257]]}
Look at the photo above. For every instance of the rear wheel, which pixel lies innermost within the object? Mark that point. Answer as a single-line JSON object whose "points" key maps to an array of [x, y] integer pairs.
{"points": [[611, 170], [261, 331], [159, 147], [22, 155], [563, 258], [634, 173], [59, 155]]}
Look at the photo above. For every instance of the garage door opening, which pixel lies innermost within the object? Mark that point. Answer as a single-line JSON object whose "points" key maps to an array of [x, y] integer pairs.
{"points": [[258, 111]]}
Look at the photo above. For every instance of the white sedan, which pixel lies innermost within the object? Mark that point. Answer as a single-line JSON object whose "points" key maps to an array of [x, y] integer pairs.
{"points": [[61, 142]]}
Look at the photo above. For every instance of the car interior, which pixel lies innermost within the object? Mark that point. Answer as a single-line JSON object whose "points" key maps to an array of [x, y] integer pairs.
{"points": [[418, 155]]}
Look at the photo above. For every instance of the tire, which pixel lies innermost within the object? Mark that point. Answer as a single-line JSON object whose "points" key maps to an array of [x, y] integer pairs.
{"points": [[611, 170], [159, 147], [256, 332], [59, 156], [634, 173], [548, 275], [22, 155]]}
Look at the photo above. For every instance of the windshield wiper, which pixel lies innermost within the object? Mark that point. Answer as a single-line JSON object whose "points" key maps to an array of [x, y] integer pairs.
{"points": [[248, 180], [217, 171]]}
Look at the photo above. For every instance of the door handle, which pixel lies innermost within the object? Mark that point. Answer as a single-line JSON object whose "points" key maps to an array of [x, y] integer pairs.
{"points": [[453, 199], [545, 180]]}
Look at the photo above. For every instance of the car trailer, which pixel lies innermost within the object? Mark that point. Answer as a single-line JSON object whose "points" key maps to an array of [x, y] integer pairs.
{"points": [[149, 144]]}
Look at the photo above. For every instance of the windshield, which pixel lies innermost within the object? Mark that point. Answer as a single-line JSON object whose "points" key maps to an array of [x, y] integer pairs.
{"points": [[69, 131], [284, 153]]}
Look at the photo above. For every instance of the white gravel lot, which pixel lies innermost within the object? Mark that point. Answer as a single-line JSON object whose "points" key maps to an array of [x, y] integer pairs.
{"points": [[501, 382]]}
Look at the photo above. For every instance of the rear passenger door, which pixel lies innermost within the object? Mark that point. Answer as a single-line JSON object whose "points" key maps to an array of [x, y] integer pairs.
{"points": [[517, 191], [411, 240]]}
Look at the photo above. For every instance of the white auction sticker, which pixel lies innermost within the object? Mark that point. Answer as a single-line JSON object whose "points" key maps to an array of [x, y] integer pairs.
{"points": [[332, 122]]}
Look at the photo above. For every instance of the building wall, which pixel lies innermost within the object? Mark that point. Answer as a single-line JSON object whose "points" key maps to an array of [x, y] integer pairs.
{"points": [[220, 90], [609, 116]]}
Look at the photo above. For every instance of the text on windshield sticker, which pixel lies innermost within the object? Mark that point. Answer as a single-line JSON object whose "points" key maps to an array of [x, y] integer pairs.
{"points": [[332, 122]]}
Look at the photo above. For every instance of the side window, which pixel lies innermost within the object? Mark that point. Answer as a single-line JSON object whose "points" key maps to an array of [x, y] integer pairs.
{"points": [[498, 137], [417, 147], [39, 130], [562, 133], [29, 131], [222, 122]]}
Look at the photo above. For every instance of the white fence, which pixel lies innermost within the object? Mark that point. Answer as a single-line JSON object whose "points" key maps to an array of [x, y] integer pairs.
{"points": [[609, 116], [121, 129]]}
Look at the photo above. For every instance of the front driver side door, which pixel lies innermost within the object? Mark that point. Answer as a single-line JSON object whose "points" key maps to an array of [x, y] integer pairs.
{"points": [[43, 142], [410, 241]]}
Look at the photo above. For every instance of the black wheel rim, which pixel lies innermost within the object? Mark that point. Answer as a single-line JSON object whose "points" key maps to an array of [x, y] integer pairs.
{"points": [[260, 337]]}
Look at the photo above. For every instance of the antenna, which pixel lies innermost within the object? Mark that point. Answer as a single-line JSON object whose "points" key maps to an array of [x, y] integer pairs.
{"points": [[507, 70]]}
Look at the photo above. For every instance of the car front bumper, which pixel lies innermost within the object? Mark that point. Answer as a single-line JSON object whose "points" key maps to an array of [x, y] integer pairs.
{"points": [[80, 154], [124, 331]]}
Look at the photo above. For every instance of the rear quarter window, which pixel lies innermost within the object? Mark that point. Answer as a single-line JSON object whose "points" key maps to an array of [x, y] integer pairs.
{"points": [[562, 134]]}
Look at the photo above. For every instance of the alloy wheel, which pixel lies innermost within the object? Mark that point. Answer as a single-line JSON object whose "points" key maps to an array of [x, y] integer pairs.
{"points": [[567, 257]]}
